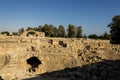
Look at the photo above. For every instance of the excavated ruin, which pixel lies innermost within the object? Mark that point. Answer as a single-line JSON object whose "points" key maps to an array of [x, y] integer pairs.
{"points": [[42, 58], [34, 62]]}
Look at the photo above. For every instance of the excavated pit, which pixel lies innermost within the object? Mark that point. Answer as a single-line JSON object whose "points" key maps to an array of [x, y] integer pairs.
{"points": [[34, 62]]}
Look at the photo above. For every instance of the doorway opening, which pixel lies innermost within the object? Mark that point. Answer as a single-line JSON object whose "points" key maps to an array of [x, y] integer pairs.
{"points": [[34, 62]]}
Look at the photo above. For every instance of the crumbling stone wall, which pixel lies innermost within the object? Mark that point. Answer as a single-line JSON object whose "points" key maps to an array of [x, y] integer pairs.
{"points": [[32, 33], [54, 54]]}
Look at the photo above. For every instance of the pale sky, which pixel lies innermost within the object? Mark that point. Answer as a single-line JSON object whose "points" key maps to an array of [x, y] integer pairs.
{"points": [[92, 15]]}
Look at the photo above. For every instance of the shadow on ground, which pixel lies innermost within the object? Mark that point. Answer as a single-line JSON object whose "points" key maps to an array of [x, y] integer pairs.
{"points": [[1, 78], [105, 70]]}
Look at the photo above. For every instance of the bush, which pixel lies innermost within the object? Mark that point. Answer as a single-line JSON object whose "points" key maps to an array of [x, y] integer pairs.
{"points": [[6, 33], [93, 36]]}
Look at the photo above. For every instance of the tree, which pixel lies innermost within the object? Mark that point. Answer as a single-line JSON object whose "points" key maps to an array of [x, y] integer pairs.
{"points": [[5, 33], [29, 28], [40, 28], [101, 37], [15, 33], [93, 36], [79, 32], [61, 31], [115, 29], [106, 36], [35, 28], [48, 29], [55, 32], [71, 31], [20, 31]]}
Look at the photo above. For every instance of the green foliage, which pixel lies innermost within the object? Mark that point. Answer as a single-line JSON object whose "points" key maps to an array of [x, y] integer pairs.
{"points": [[6, 33], [71, 31], [15, 33], [40, 28], [93, 36], [32, 28], [106, 36], [51, 31], [79, 32], [29, 28], [55, 32], [20, 31], [115, 30], [48, 29], [61, 31], [35, 29], [101, 37]]}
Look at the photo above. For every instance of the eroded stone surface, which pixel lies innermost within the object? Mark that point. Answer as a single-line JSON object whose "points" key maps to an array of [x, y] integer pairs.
{"points": [[55, 54]]}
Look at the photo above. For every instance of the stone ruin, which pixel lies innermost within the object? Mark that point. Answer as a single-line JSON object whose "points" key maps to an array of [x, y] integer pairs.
{"points": [[32, 33], [34, 62], [24, 57]]}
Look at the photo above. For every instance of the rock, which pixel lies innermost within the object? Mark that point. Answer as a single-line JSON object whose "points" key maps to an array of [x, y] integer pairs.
{"points": [[94, 77], [57, 54], [72, 77], [103, 73]]}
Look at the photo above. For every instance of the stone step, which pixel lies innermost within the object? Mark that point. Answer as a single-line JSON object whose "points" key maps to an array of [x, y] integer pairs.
{"points": [[13, 62], [10, 66]]}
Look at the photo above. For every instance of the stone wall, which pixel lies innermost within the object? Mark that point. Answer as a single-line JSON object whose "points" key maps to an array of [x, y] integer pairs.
{"points": [[32, 33], [53, 53]]}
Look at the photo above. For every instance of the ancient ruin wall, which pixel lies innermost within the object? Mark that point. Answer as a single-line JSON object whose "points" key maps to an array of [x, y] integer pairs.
{"points": [[53, 53]]}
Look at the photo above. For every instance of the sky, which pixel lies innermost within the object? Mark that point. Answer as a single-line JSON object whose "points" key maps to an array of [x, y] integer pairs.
{"points": [[92, 15]]}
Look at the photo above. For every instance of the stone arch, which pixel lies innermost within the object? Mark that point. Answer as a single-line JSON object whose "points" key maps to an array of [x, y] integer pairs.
{"points": [[33, 34]]}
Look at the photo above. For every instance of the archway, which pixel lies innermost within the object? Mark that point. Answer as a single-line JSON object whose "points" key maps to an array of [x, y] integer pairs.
{"points": [[34, 62], [31, 33]]}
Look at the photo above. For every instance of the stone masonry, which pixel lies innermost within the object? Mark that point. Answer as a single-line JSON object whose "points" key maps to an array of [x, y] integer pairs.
{"points": [[24, 57]]}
